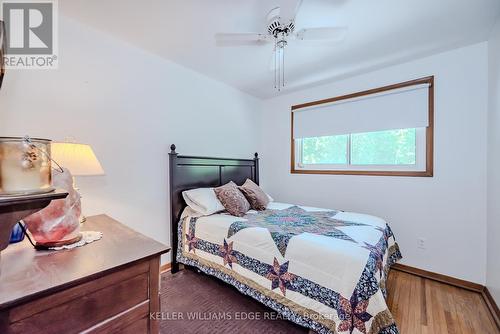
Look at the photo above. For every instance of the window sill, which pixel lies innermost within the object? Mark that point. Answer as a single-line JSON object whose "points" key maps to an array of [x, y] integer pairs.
{"points": [[364, 172]]}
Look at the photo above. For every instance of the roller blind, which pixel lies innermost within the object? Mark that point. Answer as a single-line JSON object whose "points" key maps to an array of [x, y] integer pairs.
{"points": [[396, 109]]}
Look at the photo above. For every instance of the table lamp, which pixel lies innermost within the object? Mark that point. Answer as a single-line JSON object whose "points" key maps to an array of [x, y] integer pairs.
{"points": [[78, 158]]}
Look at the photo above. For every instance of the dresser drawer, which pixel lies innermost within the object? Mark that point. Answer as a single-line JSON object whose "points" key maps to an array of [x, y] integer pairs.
{"points": [[85, 306], [133, 321]]}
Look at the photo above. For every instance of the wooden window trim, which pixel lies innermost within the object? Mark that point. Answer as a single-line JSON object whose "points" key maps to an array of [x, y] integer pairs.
{"points": [[429, 170]]}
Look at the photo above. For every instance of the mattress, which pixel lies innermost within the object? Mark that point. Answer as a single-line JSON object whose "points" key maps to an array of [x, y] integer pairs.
{"points": [[323, 269]]}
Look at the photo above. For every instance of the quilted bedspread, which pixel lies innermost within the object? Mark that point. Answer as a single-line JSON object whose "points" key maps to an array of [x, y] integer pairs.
{"points": [[323, 269]]}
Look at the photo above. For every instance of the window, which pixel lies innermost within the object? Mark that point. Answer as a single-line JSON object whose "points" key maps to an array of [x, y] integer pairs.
{"points": [[386, 131], [391, 150]]}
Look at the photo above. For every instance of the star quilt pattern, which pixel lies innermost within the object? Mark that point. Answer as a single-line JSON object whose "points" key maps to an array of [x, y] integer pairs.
{"points": [[323, 269]]}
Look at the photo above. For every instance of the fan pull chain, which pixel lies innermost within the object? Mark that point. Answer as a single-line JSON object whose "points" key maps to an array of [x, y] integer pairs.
{"points": [[279, 62], [283, 67], [275, 62], [279, 71]]}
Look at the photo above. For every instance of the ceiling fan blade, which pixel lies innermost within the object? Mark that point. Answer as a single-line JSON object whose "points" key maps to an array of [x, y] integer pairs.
{"points": [[250, 36], [317, 34], [288, 10], [240, 39]]}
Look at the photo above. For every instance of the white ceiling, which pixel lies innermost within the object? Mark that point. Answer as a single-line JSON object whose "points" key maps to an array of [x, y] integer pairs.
{"points": [[381, 33]]}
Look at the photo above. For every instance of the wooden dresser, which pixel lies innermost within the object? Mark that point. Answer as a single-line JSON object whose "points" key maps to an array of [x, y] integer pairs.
{"points": [[107, 286]]}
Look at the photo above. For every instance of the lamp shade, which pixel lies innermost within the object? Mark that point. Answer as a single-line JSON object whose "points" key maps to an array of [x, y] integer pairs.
{"points": [[78, 158]]}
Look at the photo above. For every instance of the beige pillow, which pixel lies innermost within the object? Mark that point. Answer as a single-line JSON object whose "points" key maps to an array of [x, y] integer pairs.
{"points": [[232, 199], [255, 195]]}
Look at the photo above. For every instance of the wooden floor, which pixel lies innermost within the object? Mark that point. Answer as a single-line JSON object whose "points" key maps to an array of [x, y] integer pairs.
{"points": [[423, 306]]}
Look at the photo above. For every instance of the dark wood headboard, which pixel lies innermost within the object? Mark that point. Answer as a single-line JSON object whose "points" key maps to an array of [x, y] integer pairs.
{"points": [[190, 172]]}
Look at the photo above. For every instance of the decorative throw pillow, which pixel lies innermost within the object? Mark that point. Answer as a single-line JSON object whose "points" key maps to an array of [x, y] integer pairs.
{"points": [[232, 199], [257, 198]]}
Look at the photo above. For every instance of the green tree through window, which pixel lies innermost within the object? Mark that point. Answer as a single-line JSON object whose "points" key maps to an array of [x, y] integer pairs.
{"points": [[325, 150], [393, 147]]}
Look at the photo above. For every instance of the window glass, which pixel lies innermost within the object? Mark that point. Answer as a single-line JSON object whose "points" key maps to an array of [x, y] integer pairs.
{"points": [[325, 150], [394, 147]]}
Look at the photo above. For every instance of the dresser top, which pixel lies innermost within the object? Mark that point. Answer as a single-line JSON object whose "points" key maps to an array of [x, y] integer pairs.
{"points": [[26, 273], [15, 200]]}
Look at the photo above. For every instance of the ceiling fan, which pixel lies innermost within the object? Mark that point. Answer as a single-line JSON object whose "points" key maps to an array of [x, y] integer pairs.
{"points": [[281, 30]]}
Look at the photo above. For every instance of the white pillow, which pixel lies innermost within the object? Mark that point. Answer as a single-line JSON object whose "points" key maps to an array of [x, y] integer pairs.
{"points": [[203, 201]]}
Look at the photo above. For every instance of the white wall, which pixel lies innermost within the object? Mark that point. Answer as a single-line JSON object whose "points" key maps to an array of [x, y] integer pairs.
{"points": [[493, 263], [130, 106], [448, 210]]}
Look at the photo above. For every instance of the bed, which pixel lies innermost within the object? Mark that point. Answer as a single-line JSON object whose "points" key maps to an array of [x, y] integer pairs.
{"points": [[323, 269]]}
